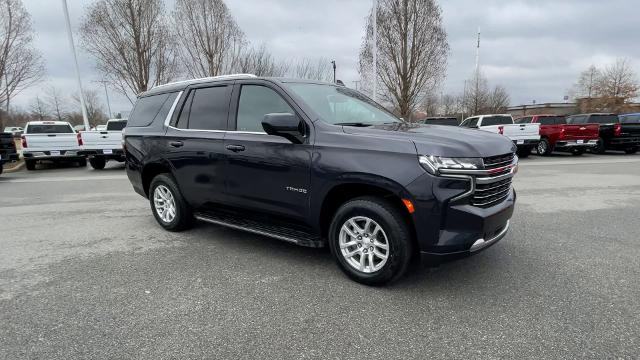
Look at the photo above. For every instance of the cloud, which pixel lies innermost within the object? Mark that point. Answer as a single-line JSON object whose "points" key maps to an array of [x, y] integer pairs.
{"points": [[535, 49]]}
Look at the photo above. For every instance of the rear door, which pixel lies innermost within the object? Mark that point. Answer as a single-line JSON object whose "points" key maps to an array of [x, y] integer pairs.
{"points": [[194, 142], [265, 172]]}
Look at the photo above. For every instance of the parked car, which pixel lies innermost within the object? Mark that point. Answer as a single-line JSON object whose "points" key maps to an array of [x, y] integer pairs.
{"points": [[102, 146], [557, 135], [525, 136], [614, 134], [318, 164], [451, 121], [15, 131], [51, 140], [8, 151]]}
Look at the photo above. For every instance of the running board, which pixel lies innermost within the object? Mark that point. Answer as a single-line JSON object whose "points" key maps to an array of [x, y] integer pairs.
{"points": [[276, 231]]}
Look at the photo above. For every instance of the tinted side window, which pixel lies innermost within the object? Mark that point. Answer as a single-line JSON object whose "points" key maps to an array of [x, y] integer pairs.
{"points": [[148, 108], [576, 119], [255, 102], [547, 120], [183, 119], [473, 123], [523, 120], [210, 108]]}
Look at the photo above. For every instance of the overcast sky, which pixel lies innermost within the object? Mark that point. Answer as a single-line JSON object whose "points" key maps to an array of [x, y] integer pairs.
{"points": [[536, 49]]}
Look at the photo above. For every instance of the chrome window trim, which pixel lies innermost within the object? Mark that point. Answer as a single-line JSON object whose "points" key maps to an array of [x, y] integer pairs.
{"points": [[167, 120]]}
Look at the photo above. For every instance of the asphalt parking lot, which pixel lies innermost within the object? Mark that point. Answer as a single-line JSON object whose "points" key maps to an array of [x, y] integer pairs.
{"points": [[85, 272]]}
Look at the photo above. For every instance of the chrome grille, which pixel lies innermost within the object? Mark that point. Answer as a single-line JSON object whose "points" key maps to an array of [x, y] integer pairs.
{"points": [[487, 194]]}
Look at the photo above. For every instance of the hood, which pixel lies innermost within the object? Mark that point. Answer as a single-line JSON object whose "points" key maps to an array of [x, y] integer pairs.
{"points": [[440, 140]]}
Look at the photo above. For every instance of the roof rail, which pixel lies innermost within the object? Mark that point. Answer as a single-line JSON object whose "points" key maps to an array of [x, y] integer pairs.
{"points": [[210, 78]]}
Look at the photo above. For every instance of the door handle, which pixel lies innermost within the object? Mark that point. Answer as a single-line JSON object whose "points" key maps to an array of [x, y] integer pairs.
{"points": [[176, 144], [235, 148]]}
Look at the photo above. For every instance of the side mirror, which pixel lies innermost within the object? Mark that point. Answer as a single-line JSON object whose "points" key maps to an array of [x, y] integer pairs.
{"points": [[287, 125]]}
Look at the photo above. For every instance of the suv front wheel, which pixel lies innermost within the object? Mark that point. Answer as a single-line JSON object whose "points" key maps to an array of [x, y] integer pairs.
{"points": [[370, 240], [167, 204]]}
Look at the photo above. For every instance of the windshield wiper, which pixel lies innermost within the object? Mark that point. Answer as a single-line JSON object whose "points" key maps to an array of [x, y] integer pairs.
{"points": [[357, 124]]}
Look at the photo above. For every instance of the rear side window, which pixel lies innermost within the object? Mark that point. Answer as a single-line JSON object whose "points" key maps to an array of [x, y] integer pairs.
{"points": [[209, 108], [116, 125], [49, 129], [496, 120], [151, 108]]}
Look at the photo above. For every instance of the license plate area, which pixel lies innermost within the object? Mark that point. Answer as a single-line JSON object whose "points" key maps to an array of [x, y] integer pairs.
{"points": [[107, 152], [55, 153]]}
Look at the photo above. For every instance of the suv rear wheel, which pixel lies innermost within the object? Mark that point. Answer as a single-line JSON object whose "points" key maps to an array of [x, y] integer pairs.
{"points": [[31, 164], [370, 241], [167, 204]]}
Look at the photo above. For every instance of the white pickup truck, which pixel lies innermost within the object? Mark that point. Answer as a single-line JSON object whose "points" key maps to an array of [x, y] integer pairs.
{"points": [[105, 145], [525, 136], [50, 140]]}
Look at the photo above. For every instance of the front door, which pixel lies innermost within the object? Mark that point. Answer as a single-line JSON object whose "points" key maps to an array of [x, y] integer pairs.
{"points": [[264, 172]]}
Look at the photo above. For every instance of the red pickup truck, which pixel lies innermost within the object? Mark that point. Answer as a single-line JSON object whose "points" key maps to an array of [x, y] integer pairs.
{"points": [[556, 134]]}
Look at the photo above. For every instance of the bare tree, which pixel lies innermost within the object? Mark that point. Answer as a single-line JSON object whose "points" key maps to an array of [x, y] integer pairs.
{"points": [[95, 109], [498, 100], [210, 38], [317, 69], [20, 64], [449, 105], [584, 88], [480, 98], [260, 62], [56, 103], [131, 42], [412, 51], [39, 109], [617, 85]]}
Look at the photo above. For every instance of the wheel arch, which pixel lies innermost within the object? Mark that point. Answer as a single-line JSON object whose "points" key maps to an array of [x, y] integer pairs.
{"points": [[151, 170]]}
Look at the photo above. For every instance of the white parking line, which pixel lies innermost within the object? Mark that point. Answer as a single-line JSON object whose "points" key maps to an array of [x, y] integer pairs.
{"points": [[63, 179], [526, 163]]}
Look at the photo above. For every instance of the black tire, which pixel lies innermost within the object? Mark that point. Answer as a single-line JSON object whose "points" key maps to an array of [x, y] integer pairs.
{"points": [[599, 148], [97, 162], [31, 164], [631, 150], [544, 148], [184, 216], [524, 152], [1, 168], [577, 151], [82, 162], [394, 225]]}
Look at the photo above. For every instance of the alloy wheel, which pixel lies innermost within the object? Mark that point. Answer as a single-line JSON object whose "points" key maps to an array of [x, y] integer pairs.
{"points": [[164, 203], [363, 244]]}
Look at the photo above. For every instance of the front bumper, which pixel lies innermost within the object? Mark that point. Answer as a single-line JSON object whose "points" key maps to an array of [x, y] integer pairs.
{"points": [[575, 143], [452, 219]]}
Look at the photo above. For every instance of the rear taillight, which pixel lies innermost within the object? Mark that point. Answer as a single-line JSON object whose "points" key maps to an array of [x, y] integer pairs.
{"points": [[501, 130], [562, 131], [24, 142], [617, 129], [79, 139]]}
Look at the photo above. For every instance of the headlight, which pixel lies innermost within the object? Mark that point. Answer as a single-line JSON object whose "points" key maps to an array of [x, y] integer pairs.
{"points": [[433, 164]]}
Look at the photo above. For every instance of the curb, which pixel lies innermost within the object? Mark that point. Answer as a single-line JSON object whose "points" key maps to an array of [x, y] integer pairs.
{"points": [[16, 168]]}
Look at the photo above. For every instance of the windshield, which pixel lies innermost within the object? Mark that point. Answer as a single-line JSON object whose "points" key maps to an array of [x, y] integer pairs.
{"points": [[342, 106], [116, 125], [49, 129]]}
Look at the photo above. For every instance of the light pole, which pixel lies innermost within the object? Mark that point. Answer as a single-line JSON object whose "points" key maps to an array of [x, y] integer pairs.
{"points": [[375, 49], [333, 62], [85, 118]]}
